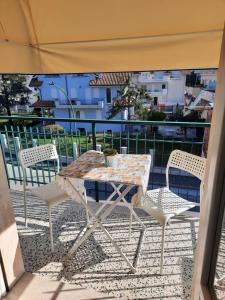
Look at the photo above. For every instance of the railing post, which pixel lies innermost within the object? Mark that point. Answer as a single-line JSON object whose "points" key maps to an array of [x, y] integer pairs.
{"points": [[94, 136], [152, 153], [17, 143], [34, 142], [2, 149], [123, 150], [75, 152], [94, 148], [4, 142], [99, 148]]}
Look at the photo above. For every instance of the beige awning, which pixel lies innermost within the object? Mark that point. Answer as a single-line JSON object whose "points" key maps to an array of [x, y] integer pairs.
{"points": [[63, 36]]}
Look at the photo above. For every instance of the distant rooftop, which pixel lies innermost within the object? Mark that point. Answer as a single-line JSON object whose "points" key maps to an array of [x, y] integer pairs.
{"points": [[35, 82], [45, 104], [111, 79]]}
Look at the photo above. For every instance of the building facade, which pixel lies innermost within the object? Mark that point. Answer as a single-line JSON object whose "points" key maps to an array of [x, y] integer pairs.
{"points": [[90, 96], [82, 96], [165, 88]]}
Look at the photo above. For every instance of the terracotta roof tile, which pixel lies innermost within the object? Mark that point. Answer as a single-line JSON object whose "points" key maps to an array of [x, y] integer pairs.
{"points": [[45, 104], [111, 79], [35, 82]]}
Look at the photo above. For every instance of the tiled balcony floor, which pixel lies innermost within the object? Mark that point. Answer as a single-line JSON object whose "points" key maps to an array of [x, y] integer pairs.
{"points": [[96, 264]]}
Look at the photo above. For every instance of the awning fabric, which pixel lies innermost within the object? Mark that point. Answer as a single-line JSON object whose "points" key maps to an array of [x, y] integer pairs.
{"points": [[70, 36]]}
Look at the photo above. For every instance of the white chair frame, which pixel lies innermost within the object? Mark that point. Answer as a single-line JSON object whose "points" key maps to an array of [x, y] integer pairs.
{"points": [[30, 157], [184, 161]]}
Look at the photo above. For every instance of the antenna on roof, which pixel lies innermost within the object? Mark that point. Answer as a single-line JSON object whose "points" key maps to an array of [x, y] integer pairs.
{"points": [[98, 76]]}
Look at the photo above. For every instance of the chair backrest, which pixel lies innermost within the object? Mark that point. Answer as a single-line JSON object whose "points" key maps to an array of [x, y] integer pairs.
{"points": [[187, 162], [32, 156]]}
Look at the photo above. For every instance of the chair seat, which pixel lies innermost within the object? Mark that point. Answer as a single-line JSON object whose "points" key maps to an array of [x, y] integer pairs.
{"points": [[50, 193], [163, 204]]}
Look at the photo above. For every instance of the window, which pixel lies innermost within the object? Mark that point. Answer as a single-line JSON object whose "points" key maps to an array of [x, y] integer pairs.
{"points": [[82, 130], [96, 93], [77, 114], [54, 93], [163, 86], [155, 100], [108, 96], [73, 93], [87, 93], [62, 95]]}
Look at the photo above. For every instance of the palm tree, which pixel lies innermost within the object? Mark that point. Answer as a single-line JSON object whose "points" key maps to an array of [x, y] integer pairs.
{"points": [[129, 98]]}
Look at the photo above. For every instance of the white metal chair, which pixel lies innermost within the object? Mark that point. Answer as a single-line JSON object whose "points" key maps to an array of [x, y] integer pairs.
{"points": [[50, 193], [162, 203]]}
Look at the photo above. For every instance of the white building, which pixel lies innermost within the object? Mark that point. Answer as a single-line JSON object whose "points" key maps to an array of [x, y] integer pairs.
{"points": [[165, 88], [208, 77], [200, 96]]}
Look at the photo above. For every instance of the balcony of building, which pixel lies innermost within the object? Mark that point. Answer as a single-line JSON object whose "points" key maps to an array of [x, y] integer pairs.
{"points": [[93, 103], [96, 265]]}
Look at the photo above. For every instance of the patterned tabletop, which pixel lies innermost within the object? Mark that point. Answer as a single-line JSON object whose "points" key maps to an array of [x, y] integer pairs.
{"points": [[132, 169]]}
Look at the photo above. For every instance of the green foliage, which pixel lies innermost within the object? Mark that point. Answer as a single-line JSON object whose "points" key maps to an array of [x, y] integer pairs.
{"points": [[110, 152], [142, 113], [156, 116], [54, 128], [192, 117], [13, 89], [19, 123], [150, 115]]}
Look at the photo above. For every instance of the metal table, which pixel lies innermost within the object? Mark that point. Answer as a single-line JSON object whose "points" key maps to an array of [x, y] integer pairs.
{"points": [[128, 171]]}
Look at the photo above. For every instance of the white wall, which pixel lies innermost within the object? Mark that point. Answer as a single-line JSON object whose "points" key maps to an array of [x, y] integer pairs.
{"points": [[35, 93], [174, 84], [175, 91]]}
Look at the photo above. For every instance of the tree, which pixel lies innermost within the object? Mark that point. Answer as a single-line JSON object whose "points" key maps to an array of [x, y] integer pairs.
{"points": [[192, 117], [129, 97], [13, 90], [150, 115]]}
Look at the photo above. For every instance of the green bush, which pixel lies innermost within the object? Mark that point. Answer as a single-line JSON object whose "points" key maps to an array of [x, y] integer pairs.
{"points": [[54, 127], [110, 152], [156, 116]]}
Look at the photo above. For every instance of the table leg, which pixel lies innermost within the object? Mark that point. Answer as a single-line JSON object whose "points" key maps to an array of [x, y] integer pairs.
{"points": [[97, 219], [130, 223], [132, 212], [130, 207]]}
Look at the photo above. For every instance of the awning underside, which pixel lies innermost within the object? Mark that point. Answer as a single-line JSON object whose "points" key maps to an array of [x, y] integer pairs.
{"points": [[49, 36]]}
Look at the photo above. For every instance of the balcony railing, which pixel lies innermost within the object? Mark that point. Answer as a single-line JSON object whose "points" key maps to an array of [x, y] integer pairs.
{"points": [[84, 103], [157, 92], [140, 137]]}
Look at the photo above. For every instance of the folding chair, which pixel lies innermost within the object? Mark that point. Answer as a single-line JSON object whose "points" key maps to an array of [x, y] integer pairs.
{"points": [[162, 203], [50, 193]]}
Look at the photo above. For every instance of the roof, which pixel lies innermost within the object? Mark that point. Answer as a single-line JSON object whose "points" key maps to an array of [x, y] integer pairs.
{"points": [[35, 82], [109, 79], [45, 104]]}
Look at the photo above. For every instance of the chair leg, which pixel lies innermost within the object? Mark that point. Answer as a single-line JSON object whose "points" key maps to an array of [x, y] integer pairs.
{"points": [[50, 228], [25, 207], [130, 222], [87, 214], [162, 248]]}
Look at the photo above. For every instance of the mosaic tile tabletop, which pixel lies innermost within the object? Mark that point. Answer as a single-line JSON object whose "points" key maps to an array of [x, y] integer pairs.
{"points": [[129, 169]]}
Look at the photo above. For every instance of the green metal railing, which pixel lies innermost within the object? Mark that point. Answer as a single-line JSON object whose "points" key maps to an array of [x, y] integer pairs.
{"points": [[14, 137]]}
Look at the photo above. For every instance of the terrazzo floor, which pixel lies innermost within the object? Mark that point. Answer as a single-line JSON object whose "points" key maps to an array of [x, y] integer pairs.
{"points": [[96, 264]]}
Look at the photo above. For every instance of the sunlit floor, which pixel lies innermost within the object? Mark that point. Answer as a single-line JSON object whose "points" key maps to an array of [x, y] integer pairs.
{"points": [[96, 264]]}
